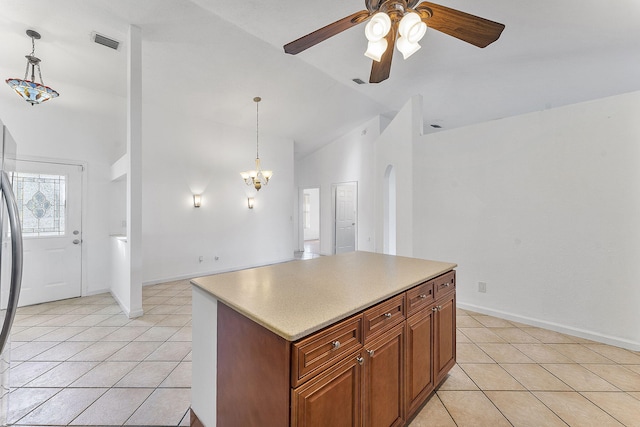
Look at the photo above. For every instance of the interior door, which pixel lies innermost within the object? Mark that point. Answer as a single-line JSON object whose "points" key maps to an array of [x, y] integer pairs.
{"points": [[49, 197], [345, 223]]}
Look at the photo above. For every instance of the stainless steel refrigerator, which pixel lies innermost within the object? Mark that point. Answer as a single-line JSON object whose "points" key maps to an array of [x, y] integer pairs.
{"points": [[10, 262]]}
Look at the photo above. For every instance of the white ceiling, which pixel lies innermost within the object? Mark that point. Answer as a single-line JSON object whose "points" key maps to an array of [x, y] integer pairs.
{"points": [[211, 57]]}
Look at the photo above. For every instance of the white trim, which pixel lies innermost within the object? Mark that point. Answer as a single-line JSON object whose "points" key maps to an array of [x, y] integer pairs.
{"points": [[569, 330], [125, 310]]}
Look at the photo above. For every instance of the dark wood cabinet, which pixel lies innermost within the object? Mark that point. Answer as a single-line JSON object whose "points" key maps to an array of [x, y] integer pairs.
{"points": [[333, 398], [445, 335], [420, 375], [375, 368], [384, 379]]}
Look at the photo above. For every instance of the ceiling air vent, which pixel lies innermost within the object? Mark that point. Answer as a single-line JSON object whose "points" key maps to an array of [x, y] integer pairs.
{"points": [[105, 41], [359, 81]]}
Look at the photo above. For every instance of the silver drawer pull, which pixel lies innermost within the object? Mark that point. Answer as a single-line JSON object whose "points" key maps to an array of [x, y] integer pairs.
{"points": [[446, 284], [387, 315], [360, 359], [434, 309], [422, 296], [335, 345], [371, 352]]}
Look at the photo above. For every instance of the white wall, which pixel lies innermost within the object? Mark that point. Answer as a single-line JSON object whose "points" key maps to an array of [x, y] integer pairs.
{"points": [[51, 131], [395, 148], [183, 155], [545, 209], [347, 159]]}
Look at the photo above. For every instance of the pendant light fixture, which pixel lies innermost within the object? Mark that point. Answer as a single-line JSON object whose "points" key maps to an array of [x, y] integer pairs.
{"points": [[30, 90], [257, 178]]}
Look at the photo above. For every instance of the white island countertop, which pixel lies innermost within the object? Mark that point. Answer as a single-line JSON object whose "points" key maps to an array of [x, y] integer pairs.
{"points": [[294, 299]]}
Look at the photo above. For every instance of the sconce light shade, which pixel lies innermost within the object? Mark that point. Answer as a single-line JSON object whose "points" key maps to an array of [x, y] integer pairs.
{"points": [[250, 202], [196, 200]]}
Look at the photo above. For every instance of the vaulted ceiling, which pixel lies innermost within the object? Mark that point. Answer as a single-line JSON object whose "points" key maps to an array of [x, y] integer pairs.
{"points": [[211, 57]]}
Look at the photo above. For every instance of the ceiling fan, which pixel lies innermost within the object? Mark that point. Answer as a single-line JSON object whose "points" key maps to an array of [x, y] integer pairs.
{"points": [[402, 23]]}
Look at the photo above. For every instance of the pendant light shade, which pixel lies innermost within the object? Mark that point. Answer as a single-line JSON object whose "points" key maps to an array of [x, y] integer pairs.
{"points": [[30, 90]]}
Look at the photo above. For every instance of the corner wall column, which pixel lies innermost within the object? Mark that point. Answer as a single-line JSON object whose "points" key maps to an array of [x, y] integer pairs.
{"points": [[134, 172]]}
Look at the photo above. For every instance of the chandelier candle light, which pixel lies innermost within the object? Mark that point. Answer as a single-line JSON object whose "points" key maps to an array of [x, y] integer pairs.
{"points": [[30, 90], [257, 178]]}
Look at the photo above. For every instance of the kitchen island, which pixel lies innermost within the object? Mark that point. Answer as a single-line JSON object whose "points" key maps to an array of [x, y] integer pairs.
{"points": [[353, 339]]}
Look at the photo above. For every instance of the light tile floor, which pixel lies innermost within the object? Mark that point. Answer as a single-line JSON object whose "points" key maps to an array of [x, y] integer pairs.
{"points": [[510, 374], [82, 362]]}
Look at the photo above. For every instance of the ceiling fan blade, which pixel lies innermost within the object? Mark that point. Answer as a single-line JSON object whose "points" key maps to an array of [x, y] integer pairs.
{"points": [[380, 70], [466, 27], [324, 33]]}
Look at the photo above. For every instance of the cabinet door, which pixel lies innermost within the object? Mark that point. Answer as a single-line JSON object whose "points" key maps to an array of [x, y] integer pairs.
{"points": [[333, 398], [445, 334], [384, 379], [420, 378]]}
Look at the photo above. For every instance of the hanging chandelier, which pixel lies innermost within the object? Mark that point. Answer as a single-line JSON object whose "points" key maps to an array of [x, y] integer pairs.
{"points": [[30, 90], [257, 177]]}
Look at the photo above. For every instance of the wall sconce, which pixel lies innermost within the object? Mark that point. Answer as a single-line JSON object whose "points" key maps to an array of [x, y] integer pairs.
{"points": [[250, 202], [196, 200]]}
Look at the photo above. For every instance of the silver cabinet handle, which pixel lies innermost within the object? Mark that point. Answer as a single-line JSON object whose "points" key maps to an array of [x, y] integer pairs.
{"points": [[434, 309], [360, 359], [16, 258], [371, 352], [422, 296], [387, 315], [335, 345], [76, 241]]}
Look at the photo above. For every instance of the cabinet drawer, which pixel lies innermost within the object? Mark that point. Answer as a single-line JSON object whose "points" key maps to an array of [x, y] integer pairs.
{"points": [[314, 353], [445, 284], [419, 297], [383, 316]]}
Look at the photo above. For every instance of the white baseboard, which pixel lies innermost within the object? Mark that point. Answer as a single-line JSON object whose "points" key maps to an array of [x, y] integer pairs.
{"points": [[97, 292], [127, 312], [569, 330]]}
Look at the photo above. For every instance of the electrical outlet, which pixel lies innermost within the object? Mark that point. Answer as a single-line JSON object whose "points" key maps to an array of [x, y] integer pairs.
{"points": [[482, 287]]}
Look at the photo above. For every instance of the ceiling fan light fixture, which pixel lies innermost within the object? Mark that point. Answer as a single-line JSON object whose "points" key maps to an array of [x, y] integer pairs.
{"points": [[412, 28], [378, 27], [406, 47], [375, 49]]}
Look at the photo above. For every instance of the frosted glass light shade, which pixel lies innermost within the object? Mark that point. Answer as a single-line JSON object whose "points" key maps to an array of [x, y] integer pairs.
{"points": [[412, 28], [406, 47], [376, 49], [378, 27]]}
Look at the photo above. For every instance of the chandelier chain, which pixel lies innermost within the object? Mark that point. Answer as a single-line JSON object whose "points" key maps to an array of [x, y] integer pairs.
{"points": [[257, 129]]}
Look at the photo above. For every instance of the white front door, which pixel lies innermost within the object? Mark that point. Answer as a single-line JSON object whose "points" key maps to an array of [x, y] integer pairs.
{"points": [[49, 201], [346, 202]]}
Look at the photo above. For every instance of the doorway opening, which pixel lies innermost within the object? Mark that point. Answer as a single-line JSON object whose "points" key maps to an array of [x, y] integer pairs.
{"points": [[311, 222]]}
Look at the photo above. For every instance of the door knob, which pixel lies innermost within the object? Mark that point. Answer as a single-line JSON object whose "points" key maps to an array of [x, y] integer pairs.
{"points": [[76, 241]]}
